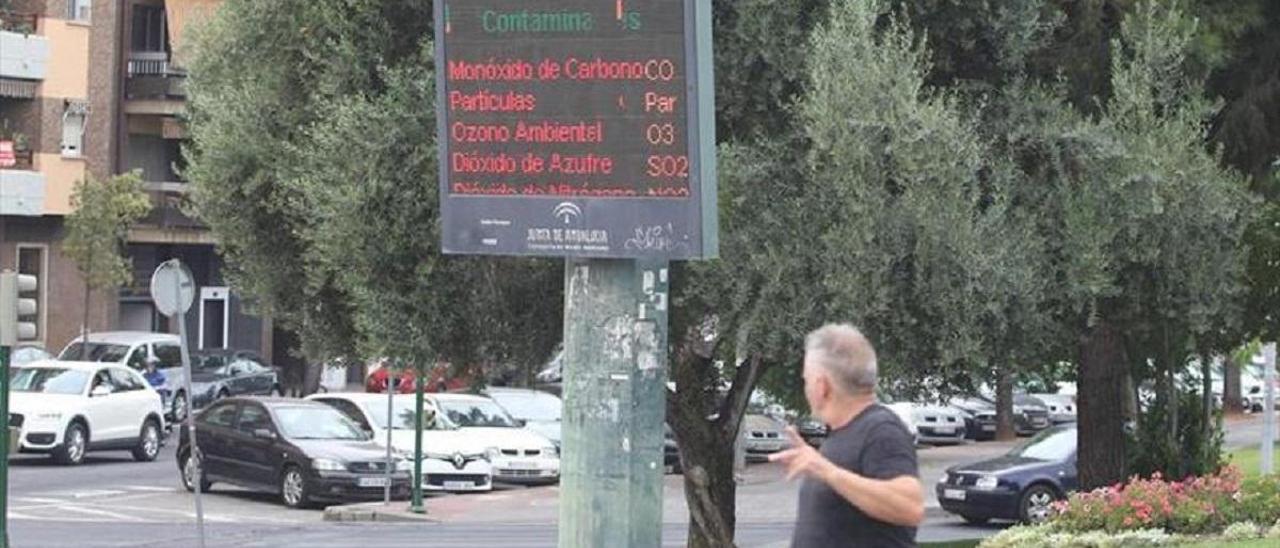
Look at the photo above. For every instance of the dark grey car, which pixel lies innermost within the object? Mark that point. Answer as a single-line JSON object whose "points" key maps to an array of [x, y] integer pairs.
{"points": [[217, 374]]}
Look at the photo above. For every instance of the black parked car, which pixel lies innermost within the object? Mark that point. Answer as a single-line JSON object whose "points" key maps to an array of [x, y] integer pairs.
{"points": [[217, 374], [979, 418], [306, 451], [1021, 485], [812, 430]]}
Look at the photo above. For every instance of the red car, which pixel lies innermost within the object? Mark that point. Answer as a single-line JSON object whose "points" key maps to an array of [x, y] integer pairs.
{"points": [[438, 381]]}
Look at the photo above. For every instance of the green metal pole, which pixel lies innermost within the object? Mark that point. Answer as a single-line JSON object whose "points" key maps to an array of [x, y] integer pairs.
{"points": [[614, 396], [416, 507], [4, 447]]}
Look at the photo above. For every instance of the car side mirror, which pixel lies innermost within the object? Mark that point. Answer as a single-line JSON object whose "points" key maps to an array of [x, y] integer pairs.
{"points": [[99, 391], [264, 433]]}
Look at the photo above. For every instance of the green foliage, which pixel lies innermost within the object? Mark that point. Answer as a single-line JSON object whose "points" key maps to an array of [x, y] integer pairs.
{"points": [[1049, 537], [900, 194], [1193, 454], [314, 160], [1260, 499], [98, 227]]}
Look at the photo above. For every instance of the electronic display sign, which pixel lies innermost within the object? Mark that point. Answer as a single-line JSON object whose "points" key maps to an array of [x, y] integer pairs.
{"points": [[580, 128]]}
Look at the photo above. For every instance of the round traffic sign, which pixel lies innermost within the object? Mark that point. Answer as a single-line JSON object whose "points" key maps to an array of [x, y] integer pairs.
{"points": [[172, 288]]}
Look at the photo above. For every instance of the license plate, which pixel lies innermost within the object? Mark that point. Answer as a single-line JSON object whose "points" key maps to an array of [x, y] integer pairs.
{"points": [[459, 485], [522, 465], [953, 494], [988, 428], [372, 482], [944, 429]]}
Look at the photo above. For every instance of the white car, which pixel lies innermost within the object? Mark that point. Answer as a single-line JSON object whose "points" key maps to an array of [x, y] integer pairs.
{"points": [[518, 455], [937, 424], [904, 412], [66, 409], [539, 411], [452, 460], [132, 349], [1062, 408]]}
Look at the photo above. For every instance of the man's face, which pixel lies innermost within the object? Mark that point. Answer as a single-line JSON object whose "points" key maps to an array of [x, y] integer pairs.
{"points": [[817, 388]]}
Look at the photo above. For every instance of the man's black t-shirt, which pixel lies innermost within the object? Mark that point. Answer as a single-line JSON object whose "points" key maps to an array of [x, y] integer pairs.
{"points": [[875, 444]]}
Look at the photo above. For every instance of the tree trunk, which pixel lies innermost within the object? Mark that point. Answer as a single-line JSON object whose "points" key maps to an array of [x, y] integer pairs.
{"points": [[706, 444], [1206, 427], [1170, 397], [84, 329], [1004, 409], [1232, 397], [710, 491], [1100, 405]]}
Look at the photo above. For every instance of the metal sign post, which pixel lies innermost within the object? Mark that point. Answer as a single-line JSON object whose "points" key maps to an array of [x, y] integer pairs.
{"points": [[1269, 410], [173, 290], [586, 130]]}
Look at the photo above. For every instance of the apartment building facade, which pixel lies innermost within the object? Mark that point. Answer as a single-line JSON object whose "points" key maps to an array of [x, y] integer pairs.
{"points": [[88, 89]]}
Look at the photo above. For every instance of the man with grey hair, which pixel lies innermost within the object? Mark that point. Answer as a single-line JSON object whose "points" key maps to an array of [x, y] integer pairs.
{"points": [[863, 488]]}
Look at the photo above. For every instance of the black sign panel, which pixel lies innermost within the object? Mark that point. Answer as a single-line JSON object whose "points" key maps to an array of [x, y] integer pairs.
{"points": [[576, 128]]}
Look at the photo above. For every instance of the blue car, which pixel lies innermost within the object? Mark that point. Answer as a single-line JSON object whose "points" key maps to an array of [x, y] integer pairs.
{"points": [[1021, 485]]}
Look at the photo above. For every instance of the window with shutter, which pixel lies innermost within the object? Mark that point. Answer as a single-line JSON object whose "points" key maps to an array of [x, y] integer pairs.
{"points": [[74, 120]]}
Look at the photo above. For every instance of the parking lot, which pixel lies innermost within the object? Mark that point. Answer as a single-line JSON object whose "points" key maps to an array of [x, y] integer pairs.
{"points": [[110, 498]]}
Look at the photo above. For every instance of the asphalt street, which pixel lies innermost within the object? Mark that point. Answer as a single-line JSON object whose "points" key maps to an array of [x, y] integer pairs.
{"points": [[113, 501]]}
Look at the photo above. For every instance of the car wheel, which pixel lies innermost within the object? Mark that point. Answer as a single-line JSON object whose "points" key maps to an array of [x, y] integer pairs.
{"points": [[179, 407], [1037, 504], [190, 468], [148, 442], [74, 443], [293, 488], [223, 394], [975, 520]]}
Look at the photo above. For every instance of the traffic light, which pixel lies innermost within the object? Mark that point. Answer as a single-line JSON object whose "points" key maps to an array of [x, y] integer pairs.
{"points": [[18, 308]]}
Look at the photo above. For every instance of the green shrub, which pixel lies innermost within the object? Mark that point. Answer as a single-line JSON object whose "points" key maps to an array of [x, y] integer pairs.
{"points": [[1260, 499], [1046, 537], [1193, 453], [1243, 530], [1274, 531]]}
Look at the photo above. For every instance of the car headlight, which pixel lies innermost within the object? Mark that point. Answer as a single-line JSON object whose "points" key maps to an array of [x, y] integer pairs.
{"points": [[491, 453], [551, 450], [986, 483], [946, 478], [51, 416], [327, 465], [403, 465]]}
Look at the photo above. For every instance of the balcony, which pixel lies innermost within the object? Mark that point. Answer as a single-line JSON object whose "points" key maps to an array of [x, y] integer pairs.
{"points": [[24, 55], [168, 199], [154, 85], [22, 188]]}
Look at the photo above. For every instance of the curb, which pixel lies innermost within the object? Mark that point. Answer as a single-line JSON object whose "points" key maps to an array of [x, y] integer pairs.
{"points": [[396, 512]]}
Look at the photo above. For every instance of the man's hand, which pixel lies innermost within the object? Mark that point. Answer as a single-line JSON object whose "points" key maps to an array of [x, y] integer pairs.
{"points": [[802, 458]]}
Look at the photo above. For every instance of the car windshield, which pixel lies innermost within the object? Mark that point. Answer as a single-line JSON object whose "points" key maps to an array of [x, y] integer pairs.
{"points": [[98, 352], [402, 409], [477, 413], [28, 354], [1053, 444], [530, 407], [208, 361], [47, 380], [316, 423]]}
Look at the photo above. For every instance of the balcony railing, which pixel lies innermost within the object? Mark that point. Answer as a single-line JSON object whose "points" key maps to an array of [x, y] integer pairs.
{"points": [[19, 22], [152, 63], [152, 75], [24, 160]]}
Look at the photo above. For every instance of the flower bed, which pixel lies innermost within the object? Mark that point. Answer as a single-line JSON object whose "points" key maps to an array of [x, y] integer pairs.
{"points": [[1157, 512]]}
